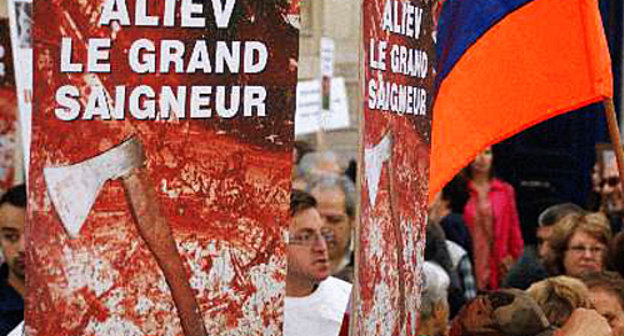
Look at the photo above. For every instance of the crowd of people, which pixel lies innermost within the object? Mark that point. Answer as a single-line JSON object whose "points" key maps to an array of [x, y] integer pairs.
{"points": [[570, 283], [479, 277]]}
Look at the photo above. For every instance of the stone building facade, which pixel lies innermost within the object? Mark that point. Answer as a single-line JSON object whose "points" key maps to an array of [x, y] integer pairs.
{"points": [[340, 21]]}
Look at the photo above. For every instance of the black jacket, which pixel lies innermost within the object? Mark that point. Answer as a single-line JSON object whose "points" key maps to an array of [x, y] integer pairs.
{"points": [[11, 304]]}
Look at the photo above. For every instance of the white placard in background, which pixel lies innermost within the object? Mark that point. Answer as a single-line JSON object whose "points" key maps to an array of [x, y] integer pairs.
{"points": [[308, 111], [309, 118], [327, 57]]}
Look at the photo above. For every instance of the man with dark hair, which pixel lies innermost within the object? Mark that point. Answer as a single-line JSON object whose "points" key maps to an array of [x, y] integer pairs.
{"points": [[547, 220], [607, 292], [530, 268], [12, 217], [448, 209], [315, 302]]}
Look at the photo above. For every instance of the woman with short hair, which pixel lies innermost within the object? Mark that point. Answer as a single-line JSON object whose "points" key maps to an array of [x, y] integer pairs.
{"points": [[579, 245]]}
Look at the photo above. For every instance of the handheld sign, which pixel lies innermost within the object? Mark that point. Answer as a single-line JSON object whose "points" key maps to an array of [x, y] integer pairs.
{"points": [[395, 138], [160, 172]]}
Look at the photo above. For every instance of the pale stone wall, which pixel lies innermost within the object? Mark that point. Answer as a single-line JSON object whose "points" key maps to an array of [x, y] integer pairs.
{"points": [[3, 8], [340, 21]]}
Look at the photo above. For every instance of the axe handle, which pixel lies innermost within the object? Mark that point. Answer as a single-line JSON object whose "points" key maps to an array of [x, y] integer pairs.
{"points": [[396, 219], [155, 231]]}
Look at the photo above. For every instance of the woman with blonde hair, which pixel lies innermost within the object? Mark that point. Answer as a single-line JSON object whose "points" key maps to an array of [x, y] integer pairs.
{"points": [[579, 244]]}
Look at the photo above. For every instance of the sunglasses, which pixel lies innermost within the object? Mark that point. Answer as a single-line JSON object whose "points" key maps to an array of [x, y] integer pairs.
{"points": [[611, 181]]}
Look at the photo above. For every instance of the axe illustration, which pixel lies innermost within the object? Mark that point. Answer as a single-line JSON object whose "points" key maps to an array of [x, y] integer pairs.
{"points": [[73, 190], [374, 159]]}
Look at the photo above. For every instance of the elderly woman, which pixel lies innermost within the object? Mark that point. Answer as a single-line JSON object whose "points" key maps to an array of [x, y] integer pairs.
{"points": [[579, 245]]}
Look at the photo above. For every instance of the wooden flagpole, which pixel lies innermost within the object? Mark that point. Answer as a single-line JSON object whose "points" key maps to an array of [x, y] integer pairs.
{"points": [[614, 134]]}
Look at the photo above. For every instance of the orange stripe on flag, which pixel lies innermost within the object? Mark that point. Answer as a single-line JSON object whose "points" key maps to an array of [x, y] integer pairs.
{"points": [[546, 58]]}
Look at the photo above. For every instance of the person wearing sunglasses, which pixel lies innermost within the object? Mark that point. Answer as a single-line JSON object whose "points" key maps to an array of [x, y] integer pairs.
{"points": [[611, 195], [315, 302]]}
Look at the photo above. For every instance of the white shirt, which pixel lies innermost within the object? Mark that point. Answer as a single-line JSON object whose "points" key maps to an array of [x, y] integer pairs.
{"points": [[320, 313], [456, 252]]}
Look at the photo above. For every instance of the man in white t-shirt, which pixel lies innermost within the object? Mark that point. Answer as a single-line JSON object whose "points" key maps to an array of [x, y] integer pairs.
{"points": [[315, 302]]}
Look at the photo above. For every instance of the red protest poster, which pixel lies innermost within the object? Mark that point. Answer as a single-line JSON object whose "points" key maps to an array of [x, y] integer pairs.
{"points": [[8, 110], [160, 172], [395, 142]]}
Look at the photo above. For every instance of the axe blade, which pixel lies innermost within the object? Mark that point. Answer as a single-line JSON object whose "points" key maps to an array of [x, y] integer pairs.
{"points": [[374, 159], [73, 190]]}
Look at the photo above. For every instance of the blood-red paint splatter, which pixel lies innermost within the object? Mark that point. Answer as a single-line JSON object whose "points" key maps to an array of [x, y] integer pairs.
{"points": [[222, 184], [394, 188]]}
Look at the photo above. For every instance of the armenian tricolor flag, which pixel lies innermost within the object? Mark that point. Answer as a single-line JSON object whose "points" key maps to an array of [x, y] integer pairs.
{"points": [[505, 65]]}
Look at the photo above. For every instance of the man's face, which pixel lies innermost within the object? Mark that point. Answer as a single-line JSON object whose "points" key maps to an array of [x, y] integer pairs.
{"points": [[307, 250], [331, 207], [611, 190], [12, 237], [607, 305], [584, 254], [543, 234]]}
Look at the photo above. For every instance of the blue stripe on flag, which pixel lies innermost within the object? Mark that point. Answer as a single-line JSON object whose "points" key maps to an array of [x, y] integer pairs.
{"points": [[462, 23]]}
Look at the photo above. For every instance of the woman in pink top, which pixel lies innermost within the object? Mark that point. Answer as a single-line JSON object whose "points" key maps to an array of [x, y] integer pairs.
{"points": [[492, 219]]}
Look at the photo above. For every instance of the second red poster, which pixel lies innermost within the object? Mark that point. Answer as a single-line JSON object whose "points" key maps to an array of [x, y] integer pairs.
{"points": [[397, 95]]}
